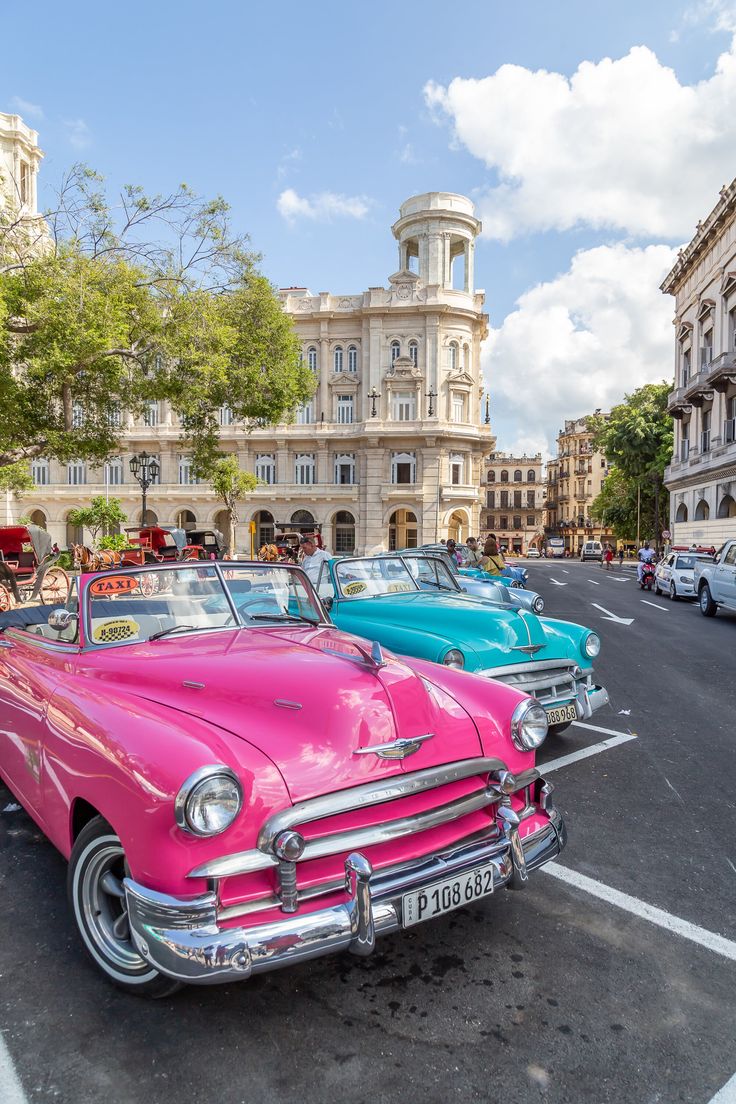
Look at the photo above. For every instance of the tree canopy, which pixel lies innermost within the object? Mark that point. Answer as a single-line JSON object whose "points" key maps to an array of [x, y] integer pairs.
{"points": [[102, 515], [117, 305], [231, 485]]}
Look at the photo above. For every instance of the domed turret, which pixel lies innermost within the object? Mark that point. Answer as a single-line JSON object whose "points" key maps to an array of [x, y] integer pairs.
{"points": [[434, 230]]}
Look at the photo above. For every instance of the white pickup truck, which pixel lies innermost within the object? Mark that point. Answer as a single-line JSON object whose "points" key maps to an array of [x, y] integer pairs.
{"points": [[715, 581]]}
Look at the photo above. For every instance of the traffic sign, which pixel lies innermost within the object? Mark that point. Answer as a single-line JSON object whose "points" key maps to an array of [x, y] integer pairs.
{"points": [[666, 534]]}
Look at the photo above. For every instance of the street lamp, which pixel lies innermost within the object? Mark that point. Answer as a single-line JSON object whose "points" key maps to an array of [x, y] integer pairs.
{"points": [[373, 395], [145, 470], [431, 395]]}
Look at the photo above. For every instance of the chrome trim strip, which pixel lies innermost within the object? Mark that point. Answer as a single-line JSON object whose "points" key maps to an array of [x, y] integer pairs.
{"points": [[561, 665]]}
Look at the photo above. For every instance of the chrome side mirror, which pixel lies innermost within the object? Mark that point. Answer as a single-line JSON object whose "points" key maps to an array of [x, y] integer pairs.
{"points": [[328, 602], [61, 619]]}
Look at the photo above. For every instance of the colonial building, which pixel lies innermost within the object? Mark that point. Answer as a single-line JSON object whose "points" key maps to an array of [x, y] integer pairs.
{"points": [[514, 501], [574, 480], [387, 454], [702, 476]]}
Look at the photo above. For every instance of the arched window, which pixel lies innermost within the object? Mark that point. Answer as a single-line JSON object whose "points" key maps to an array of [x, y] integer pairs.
{"points": [[702, 511], [38, 518], [304, 469], [343, 537], [727, 507], [531, 476], [266, 468], [302, 518], [681, 514], [264, 527], [352, 358], [517, 475], [185, 520], [312, 358], [414, 352], [453, 356], [504, 476], [337, 358], [491, 477], [395, 350]]}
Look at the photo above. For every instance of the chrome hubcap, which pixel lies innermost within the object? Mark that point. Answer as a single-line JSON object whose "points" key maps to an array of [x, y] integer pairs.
{"points": [[105, 908]]}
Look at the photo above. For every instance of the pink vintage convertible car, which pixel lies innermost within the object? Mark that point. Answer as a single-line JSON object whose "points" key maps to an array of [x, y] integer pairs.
{"points": [[239, 786]]}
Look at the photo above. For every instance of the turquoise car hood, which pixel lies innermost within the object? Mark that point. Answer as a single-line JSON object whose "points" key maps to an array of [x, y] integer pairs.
{"points": [[426, 624]]}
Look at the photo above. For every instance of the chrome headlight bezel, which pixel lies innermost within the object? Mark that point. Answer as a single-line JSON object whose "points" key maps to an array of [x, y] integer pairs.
{"points": [[538, 604], [184, 802], [458, 659], [591, 645], [527, 714]]}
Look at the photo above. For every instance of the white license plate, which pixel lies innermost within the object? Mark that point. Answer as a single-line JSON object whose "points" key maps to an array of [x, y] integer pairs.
{"points": [[449, 894], [560, 713]]}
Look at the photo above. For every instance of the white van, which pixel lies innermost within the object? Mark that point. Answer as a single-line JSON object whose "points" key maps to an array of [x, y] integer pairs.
{"points": [[591, 550]]}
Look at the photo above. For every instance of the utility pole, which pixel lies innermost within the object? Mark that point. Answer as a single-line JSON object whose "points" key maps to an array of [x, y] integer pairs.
{"points": [[638, 513]]}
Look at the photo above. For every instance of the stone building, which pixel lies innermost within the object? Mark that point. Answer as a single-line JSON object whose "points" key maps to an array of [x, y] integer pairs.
{"points": [[574, 480], [514, 501], [702, 476], [388, 453]]}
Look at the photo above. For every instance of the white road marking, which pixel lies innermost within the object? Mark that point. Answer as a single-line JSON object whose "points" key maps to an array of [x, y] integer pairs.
{"points": [[726, 1095], [612, 616], [617, 579], [593, 582], [655, 605], [708, 939], [565, 571], [11, 1090], [598, 728], [584, 753], [557, 582]]}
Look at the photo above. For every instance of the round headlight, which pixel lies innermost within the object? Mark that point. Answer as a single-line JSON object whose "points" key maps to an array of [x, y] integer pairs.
{"points": [[538, 604], [209, 801], [528, 725], [454, 658], [592, 645]]}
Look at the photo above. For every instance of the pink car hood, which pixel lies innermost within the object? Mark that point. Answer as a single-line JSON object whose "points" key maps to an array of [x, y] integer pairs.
{"points": [[287, 692]]}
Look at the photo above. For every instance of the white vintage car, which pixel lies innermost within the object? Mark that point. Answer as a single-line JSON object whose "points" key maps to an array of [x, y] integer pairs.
{"points": [[675, 574]]}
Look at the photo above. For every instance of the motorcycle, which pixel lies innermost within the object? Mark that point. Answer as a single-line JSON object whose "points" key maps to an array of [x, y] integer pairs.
{"points": [[647, 576]]}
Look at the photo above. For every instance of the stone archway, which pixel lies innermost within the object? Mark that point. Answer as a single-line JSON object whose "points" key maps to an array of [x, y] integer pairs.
{"points": [[402, 530], [458, 526]]}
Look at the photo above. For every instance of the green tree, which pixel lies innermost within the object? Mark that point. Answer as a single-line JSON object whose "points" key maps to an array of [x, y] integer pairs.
{"points": [[231, 485], [100, 516], [16, 477], [153, 298], [636, 438]]}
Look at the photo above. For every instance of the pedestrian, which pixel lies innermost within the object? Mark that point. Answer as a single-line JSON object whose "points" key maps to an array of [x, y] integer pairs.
{"points": [[493, 562], [621, 556], [312, 557], [608, 557], [452, 549], [474, 553]]}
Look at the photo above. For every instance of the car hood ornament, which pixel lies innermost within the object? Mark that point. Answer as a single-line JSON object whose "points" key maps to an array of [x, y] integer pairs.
{"points": [[396, 749]]}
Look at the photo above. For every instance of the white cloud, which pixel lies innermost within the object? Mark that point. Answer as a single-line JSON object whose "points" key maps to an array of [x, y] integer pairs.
{"points": [[26, 108], [322, 207], [719, 14], [78, 133], [580, 341], [620, 144], [288, 163]]}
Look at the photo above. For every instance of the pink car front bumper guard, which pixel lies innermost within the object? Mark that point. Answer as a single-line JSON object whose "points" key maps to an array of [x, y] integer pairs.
{"points": [[182, 939]]}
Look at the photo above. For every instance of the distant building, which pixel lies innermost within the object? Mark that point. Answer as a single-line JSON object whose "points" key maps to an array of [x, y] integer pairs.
{"points": [[514, 501], [574, 480], [389, 451], [702, 476]]}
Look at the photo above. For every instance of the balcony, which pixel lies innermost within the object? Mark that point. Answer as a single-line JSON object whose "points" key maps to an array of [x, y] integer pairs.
{"points": [[697, 390], [722, 371], [460, 492], [677, 405], [563, 498]]}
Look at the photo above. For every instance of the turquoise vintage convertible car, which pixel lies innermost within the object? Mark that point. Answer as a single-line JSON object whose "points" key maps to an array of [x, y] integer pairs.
{"points": [[380, 598]]}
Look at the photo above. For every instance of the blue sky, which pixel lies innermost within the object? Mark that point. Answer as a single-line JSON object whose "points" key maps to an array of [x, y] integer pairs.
{"points": [[316, 121]]}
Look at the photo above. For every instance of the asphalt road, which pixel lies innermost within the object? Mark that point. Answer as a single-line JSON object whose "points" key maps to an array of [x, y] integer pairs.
{"points": [[563, 993]]}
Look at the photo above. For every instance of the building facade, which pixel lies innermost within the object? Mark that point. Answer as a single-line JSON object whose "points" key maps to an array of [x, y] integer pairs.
{"points": [[388, 452], [513, 508], [574, 480], [702, 476]]}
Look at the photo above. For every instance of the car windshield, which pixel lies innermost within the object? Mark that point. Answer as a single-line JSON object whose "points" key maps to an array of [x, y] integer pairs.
{"points": [[370, 577], [136, 606], [431, 572], [687, 563]]}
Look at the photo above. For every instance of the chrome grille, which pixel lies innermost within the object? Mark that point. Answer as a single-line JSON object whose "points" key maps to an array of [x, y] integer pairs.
{"points": [[547, 681]]}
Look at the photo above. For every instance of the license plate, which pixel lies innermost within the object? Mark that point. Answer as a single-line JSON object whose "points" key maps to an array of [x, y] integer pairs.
{"points": [[446, 895], [560, 713]]}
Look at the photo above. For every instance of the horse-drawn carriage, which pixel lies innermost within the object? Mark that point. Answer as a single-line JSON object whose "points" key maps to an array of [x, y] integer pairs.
{"points": [[29, 570]]}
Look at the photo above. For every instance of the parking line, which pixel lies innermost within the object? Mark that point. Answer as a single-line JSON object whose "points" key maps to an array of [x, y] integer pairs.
{"points": [[726, 1095], [654, 605], [593, 582], [584, 753], [11, 1091], [597, 728], [708, 939]]}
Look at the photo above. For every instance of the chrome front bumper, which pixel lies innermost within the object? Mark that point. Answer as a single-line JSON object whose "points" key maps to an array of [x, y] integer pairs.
{"points": [[182, 939]]}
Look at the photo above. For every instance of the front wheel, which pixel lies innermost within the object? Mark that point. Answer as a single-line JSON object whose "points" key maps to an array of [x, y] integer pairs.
{"points": [[673, 592], [705, 601], [95, 887]]}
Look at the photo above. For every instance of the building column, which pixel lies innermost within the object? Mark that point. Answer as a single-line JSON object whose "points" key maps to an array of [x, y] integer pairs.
{"points": [[323, 391]]}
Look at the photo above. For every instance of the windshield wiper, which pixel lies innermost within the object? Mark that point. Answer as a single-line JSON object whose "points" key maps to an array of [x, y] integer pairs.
{"points": [[301, 619], [171, 629]]}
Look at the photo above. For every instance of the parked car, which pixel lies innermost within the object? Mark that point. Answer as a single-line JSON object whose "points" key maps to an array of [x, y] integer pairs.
{"points": [[674, 574], [379, 598], [238, 785], [482, 585], [715, 581], [591, 550], [532, 553]]}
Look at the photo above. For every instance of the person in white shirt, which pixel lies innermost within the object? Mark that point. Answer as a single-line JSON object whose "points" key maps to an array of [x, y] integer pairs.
{"points": [[644, 555], [312, 557]]}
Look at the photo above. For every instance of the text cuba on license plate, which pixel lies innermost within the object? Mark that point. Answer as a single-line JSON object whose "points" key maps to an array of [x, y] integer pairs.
{"points": [[560, 713], [449, 894]]}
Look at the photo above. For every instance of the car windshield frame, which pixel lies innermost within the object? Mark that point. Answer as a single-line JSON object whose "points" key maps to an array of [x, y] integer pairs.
{"points": [[343, 565], [223, 603], [443, 564]]}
